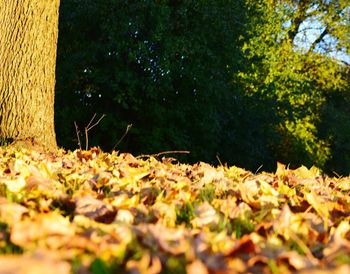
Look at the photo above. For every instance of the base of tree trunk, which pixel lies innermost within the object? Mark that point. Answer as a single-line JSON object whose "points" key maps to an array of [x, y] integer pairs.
{"points": [[30, 144]]}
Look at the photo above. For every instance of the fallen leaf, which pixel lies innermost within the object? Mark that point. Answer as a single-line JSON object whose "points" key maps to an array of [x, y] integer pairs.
{"points": [[40, 227], [125, 216], [196, 267], [11, 213], [296, 261], [36, 264], [95, 209], [317, 204], [147, 265], [205, 215]]}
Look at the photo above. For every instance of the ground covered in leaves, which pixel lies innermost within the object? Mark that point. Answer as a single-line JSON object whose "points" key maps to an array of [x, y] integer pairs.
{"points": [[94, 212]]}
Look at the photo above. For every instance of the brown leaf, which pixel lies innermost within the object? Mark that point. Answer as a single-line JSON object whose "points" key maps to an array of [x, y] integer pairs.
{"points": [[171, 240], [205, 215], [147, 265], [84, 156], [165, 213], [259, 259], [130, 159], [295, 260], [95, 209], [245, 245]]}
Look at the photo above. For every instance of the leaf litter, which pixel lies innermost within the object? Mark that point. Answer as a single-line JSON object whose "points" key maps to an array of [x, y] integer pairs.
{"points": [[96, 212]]}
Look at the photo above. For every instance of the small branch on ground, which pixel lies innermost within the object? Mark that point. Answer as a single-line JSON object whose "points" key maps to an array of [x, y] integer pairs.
{"points": [[163, 153]]}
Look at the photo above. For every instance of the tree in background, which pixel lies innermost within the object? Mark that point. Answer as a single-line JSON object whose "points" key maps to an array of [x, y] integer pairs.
{"points": [[28, 41], [163, 66], [335, 126], [294, 51]]}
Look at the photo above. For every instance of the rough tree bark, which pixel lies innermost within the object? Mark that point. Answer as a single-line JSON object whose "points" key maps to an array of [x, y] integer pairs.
{"points": [[28, 44]]}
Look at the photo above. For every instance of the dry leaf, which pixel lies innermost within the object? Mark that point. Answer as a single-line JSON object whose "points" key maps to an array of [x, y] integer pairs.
{"points": [[11, 213], [205, 215], [37, 264], [95, 209], [147, 265], [40, 227], [196, 267], [90, 204]]}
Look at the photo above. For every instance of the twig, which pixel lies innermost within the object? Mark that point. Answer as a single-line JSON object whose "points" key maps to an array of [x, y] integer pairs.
{"points": [[217, 157], [121, 139], [89, 126], [77, 132], [93, 117], [164, 152], [258, 169]]}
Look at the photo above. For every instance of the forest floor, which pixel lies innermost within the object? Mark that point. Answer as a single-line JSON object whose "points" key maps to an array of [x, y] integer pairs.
{"points": [[95, 212]]}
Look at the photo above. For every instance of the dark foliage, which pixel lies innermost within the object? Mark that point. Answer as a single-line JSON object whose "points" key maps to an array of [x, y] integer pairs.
{"points": [[173, 69]]}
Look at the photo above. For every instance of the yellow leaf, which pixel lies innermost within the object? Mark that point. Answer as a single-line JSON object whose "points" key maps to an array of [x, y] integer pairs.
{"points": [[305, 173], [11, 213], [40, 227], [15, 185], [166, 213], [317, 204]]}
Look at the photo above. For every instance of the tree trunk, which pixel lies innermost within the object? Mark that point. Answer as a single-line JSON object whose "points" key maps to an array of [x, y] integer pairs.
{"points": [[28, 44]]}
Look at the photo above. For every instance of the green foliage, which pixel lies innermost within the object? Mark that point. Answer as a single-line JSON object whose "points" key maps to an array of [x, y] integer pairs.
{"points": [[242, 227], [334, 125], [207, 193], [296, 80], [98, 266], [175, 265], [297, 248], [184, 214]]}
